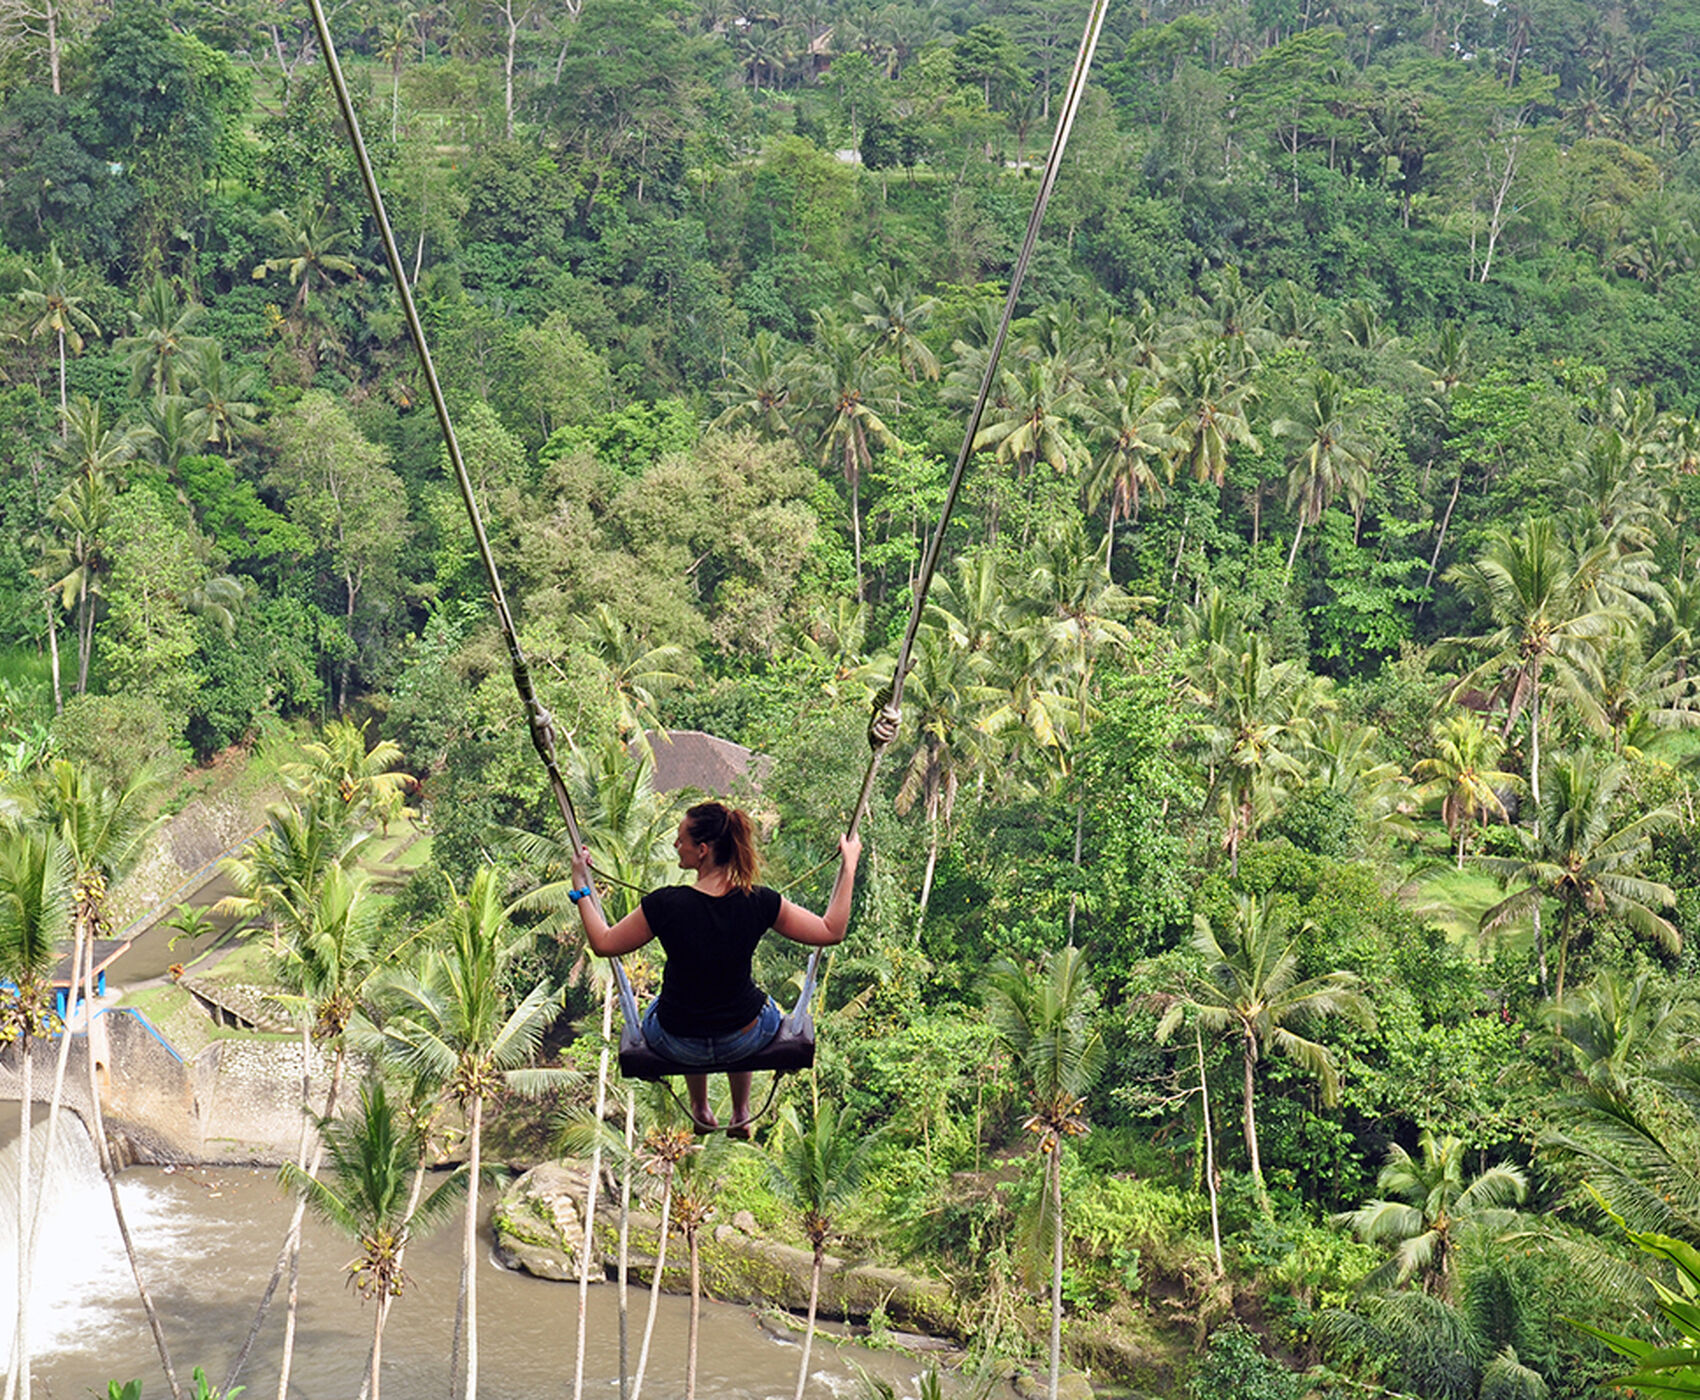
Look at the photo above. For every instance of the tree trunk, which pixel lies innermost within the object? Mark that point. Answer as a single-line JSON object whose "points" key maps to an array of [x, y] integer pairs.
{"points": [[109, 1170], [696, 1315], [626, 1241], [1251, 1127], [21, 1348], [1293, 553], [1055, 1169], [53, 655], [469, 1261], [292, 1236], [592, 1187], [809, 1331], [292, 1308], [378, 1341], [1209, 1150]]}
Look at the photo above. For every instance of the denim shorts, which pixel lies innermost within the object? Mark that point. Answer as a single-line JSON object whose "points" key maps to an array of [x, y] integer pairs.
{"points": [[713, 1049]]}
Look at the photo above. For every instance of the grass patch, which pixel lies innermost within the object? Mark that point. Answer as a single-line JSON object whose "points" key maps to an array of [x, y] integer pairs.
{"points": [[1455, 900], [250, 962]]}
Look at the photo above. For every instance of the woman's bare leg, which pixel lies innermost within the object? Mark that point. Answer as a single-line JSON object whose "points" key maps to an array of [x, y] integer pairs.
{"points": [[740, 1086], [697, 1086]]}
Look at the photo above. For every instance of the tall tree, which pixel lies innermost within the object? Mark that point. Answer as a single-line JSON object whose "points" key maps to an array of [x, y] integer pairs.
{"points": [[1426, 1206], [1330, 459], [35, 880], [1253, 991], [1461, 774], [52, 307], [374, 1154], [161, 340], [1044, 1017], [457, 1022], [818, 1169], [1576, 857]]}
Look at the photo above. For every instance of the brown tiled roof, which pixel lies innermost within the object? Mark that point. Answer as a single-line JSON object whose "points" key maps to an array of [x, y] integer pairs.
{"points": [[688, 758]]}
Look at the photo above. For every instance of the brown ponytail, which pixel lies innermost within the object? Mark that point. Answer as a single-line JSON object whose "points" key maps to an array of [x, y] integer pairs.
{"points": [[729, 833]]}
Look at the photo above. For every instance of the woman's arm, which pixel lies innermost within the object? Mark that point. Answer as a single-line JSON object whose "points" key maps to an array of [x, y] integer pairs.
{"points": [[627, 936], [821, 930]]}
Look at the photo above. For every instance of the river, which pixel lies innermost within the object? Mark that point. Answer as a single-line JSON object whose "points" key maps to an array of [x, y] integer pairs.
{"points": [[207, 1238]]}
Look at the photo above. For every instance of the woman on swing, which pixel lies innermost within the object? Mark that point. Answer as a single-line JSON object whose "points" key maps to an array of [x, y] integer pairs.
{"points": [[710, 1011]]}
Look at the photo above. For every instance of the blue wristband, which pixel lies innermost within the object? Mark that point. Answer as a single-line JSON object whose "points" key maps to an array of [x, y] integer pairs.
{"points": [[576, 895]]}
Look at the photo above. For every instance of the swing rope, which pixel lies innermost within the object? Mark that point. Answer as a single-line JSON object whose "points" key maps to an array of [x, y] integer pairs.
{"points": [[888, 713]]}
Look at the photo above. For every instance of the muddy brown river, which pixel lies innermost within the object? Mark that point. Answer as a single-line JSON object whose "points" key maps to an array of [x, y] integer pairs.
{"points": [[207, 1238]]}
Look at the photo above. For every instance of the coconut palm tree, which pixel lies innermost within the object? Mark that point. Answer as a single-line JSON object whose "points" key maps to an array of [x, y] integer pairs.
{"points": [[663, 1150], [1211, 396], [1127, 415], [223, 407], [818, 1170], [1330, 458], [1253, 990], [101, 832], [636, 670], [162, 340], [51, 307], [893, 317], [1549, 608], [1044, 1018], [1618, 1026], [937, 692], [313, 252], [847, 394], [374, 1155], [757, 392], [1576, 857], [1256, 727], [1426, 1206], [35, 907], [1461, 774], [455, 1020], [341, 780]]}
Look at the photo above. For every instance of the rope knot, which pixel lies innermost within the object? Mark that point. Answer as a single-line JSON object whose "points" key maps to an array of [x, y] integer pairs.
{"points": [[885, 721]]}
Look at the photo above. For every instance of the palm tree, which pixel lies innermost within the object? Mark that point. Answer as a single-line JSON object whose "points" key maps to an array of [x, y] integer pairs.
{"points": [[374, 1154], [1617, 1026], [1256, 729], [636, 670], [757, 391], [818, 1171], [894, 317], [102, 833], [1253, 990], [696, 1182], [1548, 607], [222, 410], [1331, 459], [937, 691], [52, 308], [1027, 422], [457, 1023], [1462, 775], [847, 394], [1127, 417], [1211, 400], [34, 919], [342, 781], [1430, 1208], [1043, 1016], [1574, 856], [296, 876], [663, 1150], [161, 341]]}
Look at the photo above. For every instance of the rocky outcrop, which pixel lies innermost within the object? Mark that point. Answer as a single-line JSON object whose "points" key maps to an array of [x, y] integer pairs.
{"points": [[539, 1229]]}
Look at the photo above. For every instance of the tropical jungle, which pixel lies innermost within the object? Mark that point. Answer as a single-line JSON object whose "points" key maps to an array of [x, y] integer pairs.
{"points": [[1271, 972]]}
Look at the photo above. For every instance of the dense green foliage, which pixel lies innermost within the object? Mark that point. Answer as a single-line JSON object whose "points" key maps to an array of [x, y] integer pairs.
{"points": [[1322, 586]]}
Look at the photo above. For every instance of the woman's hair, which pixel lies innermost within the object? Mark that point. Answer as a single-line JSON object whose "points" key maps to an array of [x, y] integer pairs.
{"points": [[731, 836]]}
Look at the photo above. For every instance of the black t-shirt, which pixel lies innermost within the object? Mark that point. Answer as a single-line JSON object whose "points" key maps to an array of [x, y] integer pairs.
{"points": [[706, 987]]}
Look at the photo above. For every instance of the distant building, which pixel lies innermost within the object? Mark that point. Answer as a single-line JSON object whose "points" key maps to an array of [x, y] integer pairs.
{"points": [[688, 758]]}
